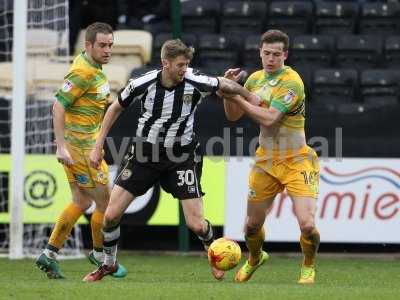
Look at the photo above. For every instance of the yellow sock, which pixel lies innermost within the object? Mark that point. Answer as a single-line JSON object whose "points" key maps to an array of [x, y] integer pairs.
{"points": [[96, 223], [309, 246], [254, 243], [64, 225]]}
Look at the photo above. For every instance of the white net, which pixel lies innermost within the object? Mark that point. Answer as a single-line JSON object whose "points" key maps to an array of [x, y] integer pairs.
{"points": [[47, 63]]}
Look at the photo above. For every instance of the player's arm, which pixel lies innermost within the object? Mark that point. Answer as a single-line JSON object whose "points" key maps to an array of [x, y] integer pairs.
{"points": [[128, 95], [283, 101], [232, 111], [62, 153], [264, 116], [74, 86], [207, 85], [228, 86], [110, 117]]}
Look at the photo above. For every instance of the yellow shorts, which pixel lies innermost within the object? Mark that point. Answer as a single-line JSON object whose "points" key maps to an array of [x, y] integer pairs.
{"points": [[81, 172], [299, 174]]}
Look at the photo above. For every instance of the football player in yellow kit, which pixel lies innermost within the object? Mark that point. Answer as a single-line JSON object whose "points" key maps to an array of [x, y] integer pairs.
{"points": [[283, 159], [77, 115]]}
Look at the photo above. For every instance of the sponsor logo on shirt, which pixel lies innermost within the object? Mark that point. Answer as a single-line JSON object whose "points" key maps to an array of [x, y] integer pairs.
{"points": [[289, 97], [126, 174], [67, 86]]}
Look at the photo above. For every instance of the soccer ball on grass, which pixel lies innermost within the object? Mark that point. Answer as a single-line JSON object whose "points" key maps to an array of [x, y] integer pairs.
{"points": [[224, 254]]}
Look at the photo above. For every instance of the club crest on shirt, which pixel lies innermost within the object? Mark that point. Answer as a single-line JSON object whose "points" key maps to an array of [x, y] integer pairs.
{"points": [[67, 86], [273, 82], [126, 174], [289, 97], [187, 99]]}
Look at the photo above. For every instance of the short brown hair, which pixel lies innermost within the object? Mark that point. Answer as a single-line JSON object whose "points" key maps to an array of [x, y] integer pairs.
{"points": [[93, 29], [275, 36], [171, 49]]}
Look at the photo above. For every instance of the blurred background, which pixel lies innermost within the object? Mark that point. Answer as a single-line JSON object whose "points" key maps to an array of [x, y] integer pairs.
{"points": [[347, 52]]}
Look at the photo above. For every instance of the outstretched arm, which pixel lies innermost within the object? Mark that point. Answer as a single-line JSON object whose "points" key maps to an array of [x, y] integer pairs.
{"points": [[111, 115], [228, 86]]}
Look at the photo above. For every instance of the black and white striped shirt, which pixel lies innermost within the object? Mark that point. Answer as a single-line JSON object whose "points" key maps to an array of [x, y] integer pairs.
{"points": [[167, 114]]}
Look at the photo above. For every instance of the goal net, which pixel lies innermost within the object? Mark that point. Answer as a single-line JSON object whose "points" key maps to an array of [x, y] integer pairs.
{"points": [[47, 61]]}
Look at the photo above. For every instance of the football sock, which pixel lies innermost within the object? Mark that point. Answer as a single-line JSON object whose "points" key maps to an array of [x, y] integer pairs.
{"points": [[254, 243], [309, 246], [111, 237], [96, 224], [64, 225], [51, 251], [98, 254], [208, 237]]}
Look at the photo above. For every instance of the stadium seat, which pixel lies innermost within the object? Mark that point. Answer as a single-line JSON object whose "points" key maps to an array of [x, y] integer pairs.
{"points": [[218, 51], [243, 17], [47, 78], [380, 18], [200, 16], [6, 78], [132, 48], [336, 18], [80, 42], [312, 51], [293, 17], [41, 42], [251, 53], [331, 87], [159, 39], [380, 88], [392, 52], [361, 52], [117, 77]]}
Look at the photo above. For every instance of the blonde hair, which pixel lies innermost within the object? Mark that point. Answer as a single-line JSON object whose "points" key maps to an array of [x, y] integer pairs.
{"points": [[171, 49]]}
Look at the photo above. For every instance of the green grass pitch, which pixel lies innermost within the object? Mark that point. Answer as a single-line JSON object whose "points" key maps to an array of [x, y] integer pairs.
{"points": [[188, 277]]}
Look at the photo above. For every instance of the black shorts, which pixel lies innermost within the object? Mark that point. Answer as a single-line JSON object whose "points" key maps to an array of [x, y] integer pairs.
{"points": [[180, 178]]}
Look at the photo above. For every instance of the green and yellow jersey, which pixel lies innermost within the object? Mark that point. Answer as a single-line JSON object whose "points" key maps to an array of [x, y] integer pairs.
{"points": [[284, 91], [84, 95]]}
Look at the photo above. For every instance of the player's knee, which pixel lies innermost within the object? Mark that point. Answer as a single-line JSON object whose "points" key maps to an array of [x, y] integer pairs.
{"points": [[307, 227], [252, 227]]}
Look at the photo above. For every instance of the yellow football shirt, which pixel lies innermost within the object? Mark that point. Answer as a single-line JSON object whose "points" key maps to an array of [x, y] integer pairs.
{"points": [[84, 95], [284, 91]]}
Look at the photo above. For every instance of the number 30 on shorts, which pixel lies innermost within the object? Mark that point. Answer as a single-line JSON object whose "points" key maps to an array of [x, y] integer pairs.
{"points": [[185, 177]]}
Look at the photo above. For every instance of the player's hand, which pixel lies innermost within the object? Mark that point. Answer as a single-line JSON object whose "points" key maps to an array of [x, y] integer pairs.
{"points": [[95, 158], [235, 74], [63, 156], [254, 99]]}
